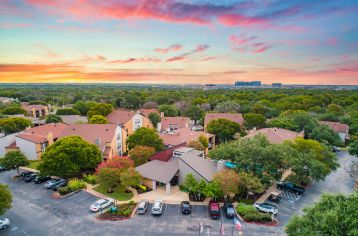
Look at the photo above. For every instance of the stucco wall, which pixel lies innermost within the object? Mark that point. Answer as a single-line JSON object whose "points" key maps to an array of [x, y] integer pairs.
{"points": [[28, 148], [6, 141]]}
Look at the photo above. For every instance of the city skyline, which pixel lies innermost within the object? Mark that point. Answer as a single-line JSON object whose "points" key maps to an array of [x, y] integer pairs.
{"points": [[179, 42]]}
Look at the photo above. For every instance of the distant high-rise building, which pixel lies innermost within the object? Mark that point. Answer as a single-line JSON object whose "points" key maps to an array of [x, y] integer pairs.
{"points": [[276, 85], [252, 83]]}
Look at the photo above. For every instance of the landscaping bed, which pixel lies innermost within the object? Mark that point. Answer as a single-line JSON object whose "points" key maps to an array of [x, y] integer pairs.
{"points": [[72, 186], [119, 192], [142, 189], [251, 215], [194, 198], [123, 211]]}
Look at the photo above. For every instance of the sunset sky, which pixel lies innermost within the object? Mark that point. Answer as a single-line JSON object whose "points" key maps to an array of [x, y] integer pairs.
{"points": [[167, 41]]}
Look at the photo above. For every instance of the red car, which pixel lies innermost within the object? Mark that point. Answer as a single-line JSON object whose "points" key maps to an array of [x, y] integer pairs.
{"points": [[214, 210]]}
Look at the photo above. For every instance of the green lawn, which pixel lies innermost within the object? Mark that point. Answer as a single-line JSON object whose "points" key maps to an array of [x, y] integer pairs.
{"points": [[34, 164], [118, 192]]}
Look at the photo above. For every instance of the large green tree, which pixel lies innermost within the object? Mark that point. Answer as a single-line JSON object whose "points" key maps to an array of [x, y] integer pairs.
{"points": [[254, 120], [145, 137], [332, 215], [353, 148], [224, 129], [53, 119], [326, 135], [14, 160], [109, 177], [13, 124], [249, 184], [169, 110], [228, 106], [102, 109], [141, 154], [69, 156], [98, 119], [5, 199], [130, 177], [13, 110], [154, 118], [195, 113]]}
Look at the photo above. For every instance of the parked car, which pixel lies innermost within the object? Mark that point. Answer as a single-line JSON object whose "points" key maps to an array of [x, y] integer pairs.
{"points": [[185, 207], [3, 169], [59, 184], [41, 178], [229, 210], [214, 210], [266, 207], [25, 173], [290, 187], [157, 208], [101, 204], [336, 149], [30, 177], [4, 223], [52, 182], [274, 197], [142, 207]]}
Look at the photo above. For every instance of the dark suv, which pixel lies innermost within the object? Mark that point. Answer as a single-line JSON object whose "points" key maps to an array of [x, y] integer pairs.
{"points": [[41, 178], [229, 210], [59, 184], [185, 207], [30, 177], [214, 210]]}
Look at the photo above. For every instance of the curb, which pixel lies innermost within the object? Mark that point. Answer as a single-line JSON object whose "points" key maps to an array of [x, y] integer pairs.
{"points": [[264, 224], [56, 195]]}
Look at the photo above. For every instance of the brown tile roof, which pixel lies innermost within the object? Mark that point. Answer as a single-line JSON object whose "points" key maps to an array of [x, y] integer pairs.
{"points": [[55, 129], [182, 135], [235, 117], [336, 126], [146, 111], [181, 122], [35, 138], [90, 132], [159, 170], [120, 116], [275, 135]]}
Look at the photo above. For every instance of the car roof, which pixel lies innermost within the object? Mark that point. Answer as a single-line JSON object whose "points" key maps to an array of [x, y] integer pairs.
{"points": [[142, 204]]}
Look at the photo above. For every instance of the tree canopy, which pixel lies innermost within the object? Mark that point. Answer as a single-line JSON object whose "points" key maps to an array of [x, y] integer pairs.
{"points": [[102, 109], [254, 120], [145, 137], [13, 124], [224, 129], [141, 154], [98, 119], [332, 215], [53, 119], [154, 118], [169, 110], [14, 160], [353, 148], [69, 156], [5, 199]]}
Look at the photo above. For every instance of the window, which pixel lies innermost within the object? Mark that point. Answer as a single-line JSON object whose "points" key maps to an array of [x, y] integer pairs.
{"points": [[173, 126], [137, 123]]}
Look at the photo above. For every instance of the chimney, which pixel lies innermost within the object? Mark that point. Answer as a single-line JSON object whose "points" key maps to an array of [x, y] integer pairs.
{"points": [[162, 114], [220, 165], [50, 138], [98, 142]]}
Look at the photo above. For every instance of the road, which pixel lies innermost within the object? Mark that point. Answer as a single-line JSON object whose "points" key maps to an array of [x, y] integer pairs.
{"points": [[35, 213]]}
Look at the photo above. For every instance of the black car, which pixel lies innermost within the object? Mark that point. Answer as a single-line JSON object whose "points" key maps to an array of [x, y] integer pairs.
{"points": [[229, 210], [2, 169], [30, 177], [59, 184], [185, 207], [26, 173], [41, 178], [290, 187]]}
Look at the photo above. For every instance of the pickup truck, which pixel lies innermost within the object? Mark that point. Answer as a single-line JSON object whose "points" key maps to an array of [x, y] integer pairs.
{"points": [[290, 187]]}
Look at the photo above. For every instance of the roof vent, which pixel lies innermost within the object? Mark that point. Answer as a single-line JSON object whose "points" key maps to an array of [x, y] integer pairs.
{"points": [[106, 129], [73, 128]]}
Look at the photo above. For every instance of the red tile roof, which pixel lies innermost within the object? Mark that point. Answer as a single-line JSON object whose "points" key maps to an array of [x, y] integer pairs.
{"points": [[120, 116], [146, 111], [182, 135], [35, 138], [90, 132], [181, 122], [166, 154], [56, 129], [235, 117], [13, 145], [336, 126], [275, 135]]}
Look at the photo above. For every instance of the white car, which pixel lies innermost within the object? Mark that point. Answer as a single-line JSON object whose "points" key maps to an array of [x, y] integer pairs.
{"points": [[101, 204], [157, 207], [4, 223], [266, 207]]}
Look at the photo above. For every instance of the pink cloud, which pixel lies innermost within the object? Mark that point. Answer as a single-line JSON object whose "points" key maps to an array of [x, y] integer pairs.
{"points": [[243, 43], [240, 20], [171, 48], [332, 41], [135, 60], [198, 49]]}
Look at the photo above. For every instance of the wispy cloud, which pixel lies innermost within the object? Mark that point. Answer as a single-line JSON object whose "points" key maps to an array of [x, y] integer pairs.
{"points": [[198, 49], [171, 48], [243, 43], [49, 52], [135, 60]]}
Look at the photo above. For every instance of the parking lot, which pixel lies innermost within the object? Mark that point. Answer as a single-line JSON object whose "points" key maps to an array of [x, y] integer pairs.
{"points": [[36, 213]]}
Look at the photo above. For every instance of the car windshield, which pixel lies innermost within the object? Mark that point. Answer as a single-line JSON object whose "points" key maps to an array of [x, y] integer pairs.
{"points": [[141, 205], [230, 210]]}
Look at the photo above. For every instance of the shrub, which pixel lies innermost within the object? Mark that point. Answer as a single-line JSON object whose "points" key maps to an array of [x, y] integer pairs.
{"points": [[91, 179], [144, 188], [257, 216], [63, 190], [243, 209], [76, 184]]}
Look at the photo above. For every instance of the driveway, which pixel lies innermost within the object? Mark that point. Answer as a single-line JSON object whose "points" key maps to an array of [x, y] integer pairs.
{"points": [[35, 213]]}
